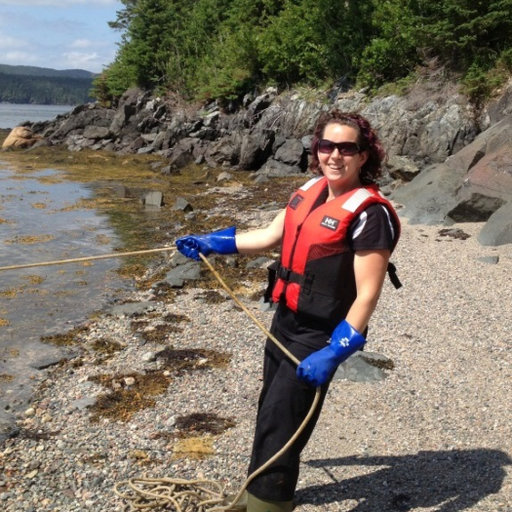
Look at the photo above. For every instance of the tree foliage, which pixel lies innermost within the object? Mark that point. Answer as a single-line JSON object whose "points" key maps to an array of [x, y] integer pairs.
{"points": [[44, 90], [392, 51], [224, 48]]}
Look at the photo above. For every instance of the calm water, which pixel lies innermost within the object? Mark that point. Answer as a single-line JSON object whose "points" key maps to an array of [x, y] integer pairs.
{"points": [[12, 114], [41, 219]]}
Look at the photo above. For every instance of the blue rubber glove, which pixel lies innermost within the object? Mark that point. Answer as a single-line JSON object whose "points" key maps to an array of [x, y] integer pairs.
{"points": [[318, 367], [221, 242]]}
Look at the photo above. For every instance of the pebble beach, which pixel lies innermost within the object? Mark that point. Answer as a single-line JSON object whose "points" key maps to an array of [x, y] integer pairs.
{"points": [[434, 435]]}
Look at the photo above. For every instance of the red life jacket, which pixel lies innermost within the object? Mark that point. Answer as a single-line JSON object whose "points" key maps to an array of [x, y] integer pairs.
{"points": [[316, 274]]}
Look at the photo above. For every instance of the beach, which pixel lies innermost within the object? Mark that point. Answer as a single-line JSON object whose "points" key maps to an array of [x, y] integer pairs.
{"points": [[434, 435]]}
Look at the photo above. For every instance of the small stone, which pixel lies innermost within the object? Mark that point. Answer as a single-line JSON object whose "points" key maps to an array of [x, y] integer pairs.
{"points": [[224, 176], [129, 381], [83, 403], [491, 260], [30, 412], [149, 357], [46, 418]]}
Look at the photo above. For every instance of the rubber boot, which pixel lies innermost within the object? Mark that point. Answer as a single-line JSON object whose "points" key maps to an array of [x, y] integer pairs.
{"points": [[256, 505], [239, 506]]}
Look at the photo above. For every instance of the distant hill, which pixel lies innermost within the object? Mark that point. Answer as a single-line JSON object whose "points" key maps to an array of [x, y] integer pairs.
{"points": [[45, 86]]}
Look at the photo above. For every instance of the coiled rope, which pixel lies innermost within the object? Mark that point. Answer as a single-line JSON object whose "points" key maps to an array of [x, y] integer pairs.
{"points": [[175, 494]]}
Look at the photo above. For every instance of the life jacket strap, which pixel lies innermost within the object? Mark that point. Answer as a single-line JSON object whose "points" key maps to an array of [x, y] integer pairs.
{"points": [[289, 275], [277, 271], [272, 277], [393, 277]]}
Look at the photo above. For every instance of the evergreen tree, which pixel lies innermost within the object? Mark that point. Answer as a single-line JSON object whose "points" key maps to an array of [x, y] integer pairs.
{"points": [[223, 48]]}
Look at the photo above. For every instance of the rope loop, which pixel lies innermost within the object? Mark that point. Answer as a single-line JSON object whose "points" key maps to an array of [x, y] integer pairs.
{"points": [[163, 494], [170, 494]]}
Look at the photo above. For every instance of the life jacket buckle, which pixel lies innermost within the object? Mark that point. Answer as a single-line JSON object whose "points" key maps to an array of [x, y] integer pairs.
{"points": [[284, 273]]}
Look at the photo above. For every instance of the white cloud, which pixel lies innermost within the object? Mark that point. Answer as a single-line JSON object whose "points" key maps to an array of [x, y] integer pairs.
{"points": [[84, 60], [82, 43], [87, 54], [16, 57], [12, 42], [80, 59]]}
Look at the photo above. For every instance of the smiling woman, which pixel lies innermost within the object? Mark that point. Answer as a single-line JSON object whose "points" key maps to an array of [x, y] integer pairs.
{"points": [[336, 236]]}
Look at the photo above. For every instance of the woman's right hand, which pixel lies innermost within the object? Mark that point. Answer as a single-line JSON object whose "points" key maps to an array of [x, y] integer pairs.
{"points": [[220, 242]]}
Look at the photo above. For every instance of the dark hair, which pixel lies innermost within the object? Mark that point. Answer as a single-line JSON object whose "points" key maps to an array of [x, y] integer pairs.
{"points": [[366, 138]]}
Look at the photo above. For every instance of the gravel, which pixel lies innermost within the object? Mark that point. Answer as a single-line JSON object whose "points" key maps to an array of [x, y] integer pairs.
{"points": [[434, 435]]}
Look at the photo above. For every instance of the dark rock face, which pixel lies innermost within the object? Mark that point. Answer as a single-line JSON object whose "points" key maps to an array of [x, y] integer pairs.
{"points": [[255, 149], [476, 208], [270, 128]]}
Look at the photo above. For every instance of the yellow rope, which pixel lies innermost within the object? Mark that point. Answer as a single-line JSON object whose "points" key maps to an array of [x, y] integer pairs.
{"points": [[87, 258], [246, 311], [163, 490], [178, 494], [181, 495]]}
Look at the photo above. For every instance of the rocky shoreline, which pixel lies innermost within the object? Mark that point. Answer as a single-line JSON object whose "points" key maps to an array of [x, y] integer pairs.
{"points": [[165, 381], [166, 384]]}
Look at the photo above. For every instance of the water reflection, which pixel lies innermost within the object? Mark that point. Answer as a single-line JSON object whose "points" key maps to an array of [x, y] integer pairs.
{"points": [[42, 218]]}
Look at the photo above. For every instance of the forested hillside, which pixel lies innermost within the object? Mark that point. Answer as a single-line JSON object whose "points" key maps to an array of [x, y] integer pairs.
{"points": [[225, 48], [27, 84]]}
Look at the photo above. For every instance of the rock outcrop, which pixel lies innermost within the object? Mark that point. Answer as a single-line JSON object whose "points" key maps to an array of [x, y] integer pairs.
{"points": [[269, 132], [457, 159]]}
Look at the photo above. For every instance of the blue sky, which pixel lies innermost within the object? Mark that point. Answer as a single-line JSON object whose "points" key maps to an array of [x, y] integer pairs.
{"points": [[58, 34]]}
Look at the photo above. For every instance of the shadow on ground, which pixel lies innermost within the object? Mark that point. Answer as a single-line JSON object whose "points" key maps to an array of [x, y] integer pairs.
{"points": [[451, 480]]}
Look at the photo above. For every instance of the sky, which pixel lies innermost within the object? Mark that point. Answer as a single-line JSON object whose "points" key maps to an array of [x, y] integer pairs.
{"points": [[58, 34]]}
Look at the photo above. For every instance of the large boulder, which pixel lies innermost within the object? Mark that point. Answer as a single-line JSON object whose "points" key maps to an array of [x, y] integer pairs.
{"points": [[472, 185], [182, 154], [225, 151], [428, 132], [255, 149], [292, 153], [492, 174], [20, 137], [82, 117], [498, 229], [129, 104]]}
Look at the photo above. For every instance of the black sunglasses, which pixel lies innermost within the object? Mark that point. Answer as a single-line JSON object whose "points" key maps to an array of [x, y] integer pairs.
{"points": [[344, 148]]}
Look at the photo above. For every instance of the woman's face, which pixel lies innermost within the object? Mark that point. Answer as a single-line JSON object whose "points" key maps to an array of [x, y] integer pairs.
{"points": [[341, 171]]}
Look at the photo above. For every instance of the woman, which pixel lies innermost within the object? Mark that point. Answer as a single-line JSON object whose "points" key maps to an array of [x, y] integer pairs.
{"points": [[336, 235]]}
